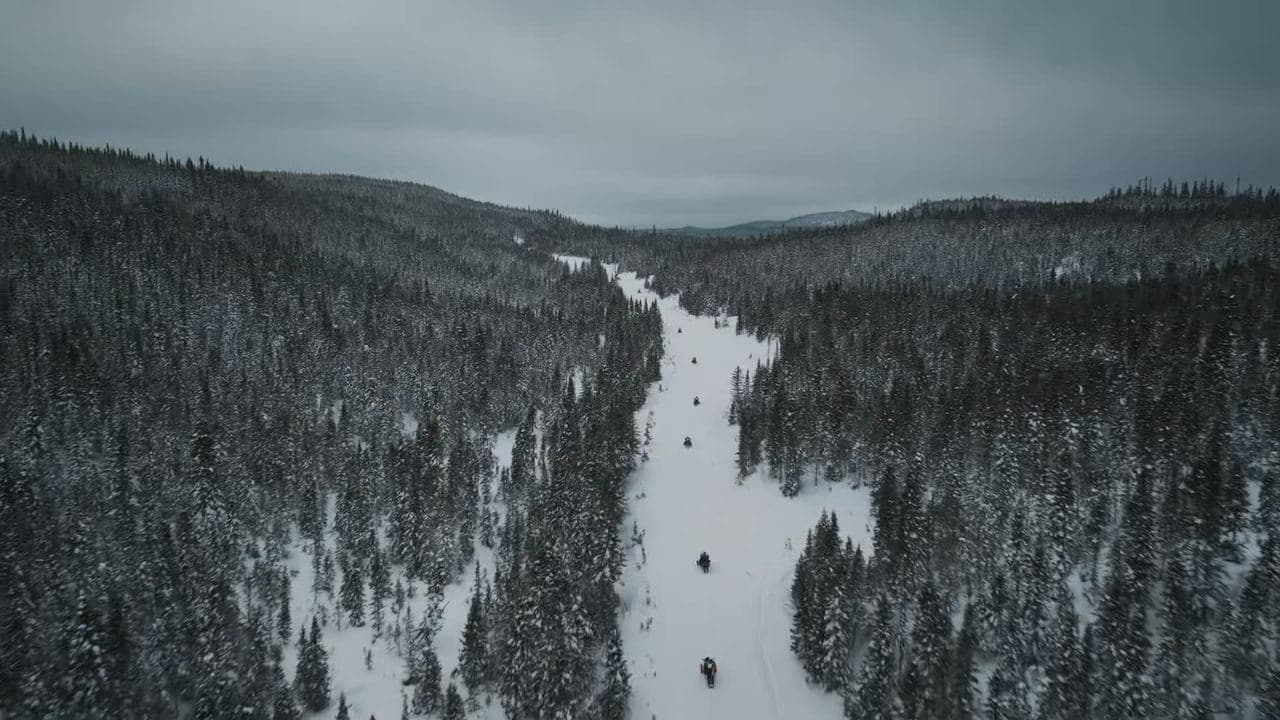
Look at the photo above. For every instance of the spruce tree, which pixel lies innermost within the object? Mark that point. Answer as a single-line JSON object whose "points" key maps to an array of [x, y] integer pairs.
{"points": [[930, 655], [962, 673], [313, 671], [453, 707], [876, 687], [523, 460], [284, 624], [284, 705], [351, 596], [379, 584], [1062, 699], [746, 442], [617, 681], [84, 686], [884, 505], [1124, 646], [912, 533], [473, 659], [1171, 665], [426, 680], [1269, 697], [1007, 692], [343, 712], [837, 637], [802, 604]]}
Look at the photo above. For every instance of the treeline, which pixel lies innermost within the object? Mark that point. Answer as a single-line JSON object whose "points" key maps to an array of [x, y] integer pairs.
{"points": [[1075, 490], [555, 637], [1134, 232], [197, 360]]}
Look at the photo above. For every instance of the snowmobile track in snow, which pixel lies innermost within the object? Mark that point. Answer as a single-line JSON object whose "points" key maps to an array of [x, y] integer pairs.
{"points": [[686, 500]]}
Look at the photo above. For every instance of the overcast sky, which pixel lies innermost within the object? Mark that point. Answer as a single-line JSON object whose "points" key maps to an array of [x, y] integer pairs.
{"points": [[654, 112]]}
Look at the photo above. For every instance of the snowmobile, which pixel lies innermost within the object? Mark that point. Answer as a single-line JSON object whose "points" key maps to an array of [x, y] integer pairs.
{"points": [[696, 401], [687, 441], [704, 562], [708, 670]]}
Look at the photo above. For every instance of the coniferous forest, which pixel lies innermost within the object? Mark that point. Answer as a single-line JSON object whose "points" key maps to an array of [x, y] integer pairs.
{"points": [[1068, 416], [200, 364]]}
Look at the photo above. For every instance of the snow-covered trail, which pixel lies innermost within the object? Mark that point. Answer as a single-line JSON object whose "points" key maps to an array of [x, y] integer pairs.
{"points": [[686, 500]]}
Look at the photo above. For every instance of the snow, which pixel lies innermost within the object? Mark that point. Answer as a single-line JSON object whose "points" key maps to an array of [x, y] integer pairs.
{"points": [[408, 424], [574, 263], [686, 500], [517, 239]]}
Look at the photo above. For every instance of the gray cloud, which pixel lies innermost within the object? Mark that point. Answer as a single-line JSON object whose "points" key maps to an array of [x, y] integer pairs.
{"points": [[667, 112]]}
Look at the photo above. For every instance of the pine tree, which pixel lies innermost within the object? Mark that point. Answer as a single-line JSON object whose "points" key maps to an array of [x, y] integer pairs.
{"points": [[426, 680], [930, 654], [747, 446], [313, 670], [884, 505], [617, 681], [1007, 692], [912, 538], [284, 707], [1064, 518], [453, 707], [523, 459], [837, 638], [1062, 699], [1267, 514], [473, 658], [1170, 668], [84, 686], [802, 604], [284, 623], [119, 651], [1124, 648], [875, 694], [351, 595], [962, 674], [379, 584], [1269, 697], [343, 712], [283, 704]]}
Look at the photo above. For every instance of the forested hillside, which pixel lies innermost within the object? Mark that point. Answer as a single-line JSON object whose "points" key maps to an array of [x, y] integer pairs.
{"points": [[1135, 232], [1068, 415], [198, 362], [1087, 455]]}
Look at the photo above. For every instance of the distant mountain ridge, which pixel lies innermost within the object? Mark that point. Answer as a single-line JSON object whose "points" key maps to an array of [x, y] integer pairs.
{"points": [[765, 227]]}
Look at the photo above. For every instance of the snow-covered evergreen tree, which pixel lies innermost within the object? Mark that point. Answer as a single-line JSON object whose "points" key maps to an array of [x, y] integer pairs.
{"points": [[473, 658], [614, 698], [312, 681], [453, 707]]}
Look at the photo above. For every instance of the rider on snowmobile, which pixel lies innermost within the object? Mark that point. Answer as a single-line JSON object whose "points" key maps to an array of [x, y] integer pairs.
{"points": [[708, 670]]}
